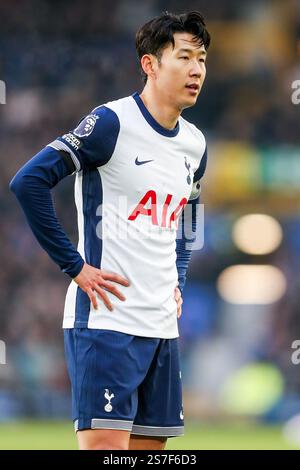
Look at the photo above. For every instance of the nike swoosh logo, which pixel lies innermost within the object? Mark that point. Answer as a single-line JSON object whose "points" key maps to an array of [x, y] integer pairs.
{"points": [[137, 162]]}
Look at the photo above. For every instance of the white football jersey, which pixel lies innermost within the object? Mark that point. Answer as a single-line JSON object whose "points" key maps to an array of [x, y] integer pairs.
{"points": [[133, 179]]}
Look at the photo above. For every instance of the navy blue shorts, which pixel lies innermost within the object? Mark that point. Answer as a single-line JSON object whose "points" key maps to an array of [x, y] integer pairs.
{"points": [[124, 382]]}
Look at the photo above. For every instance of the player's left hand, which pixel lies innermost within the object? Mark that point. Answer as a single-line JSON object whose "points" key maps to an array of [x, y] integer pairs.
{"points": [[179, 301]]}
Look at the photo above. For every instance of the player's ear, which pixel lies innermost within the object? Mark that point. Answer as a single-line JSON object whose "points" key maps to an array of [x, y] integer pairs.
{"points": [[149, 63]]}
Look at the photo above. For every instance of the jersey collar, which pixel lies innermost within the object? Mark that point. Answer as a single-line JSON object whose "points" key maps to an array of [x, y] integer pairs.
{"points": [[150, 119]]}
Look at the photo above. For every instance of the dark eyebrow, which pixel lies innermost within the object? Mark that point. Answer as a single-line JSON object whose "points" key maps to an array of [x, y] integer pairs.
{"points": [[204, 53]]}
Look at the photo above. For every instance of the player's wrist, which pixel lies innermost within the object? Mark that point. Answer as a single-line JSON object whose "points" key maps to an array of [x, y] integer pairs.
{"points": [[75, 268]]}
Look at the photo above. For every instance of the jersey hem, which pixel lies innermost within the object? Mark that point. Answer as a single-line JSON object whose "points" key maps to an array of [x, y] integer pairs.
{"points": [[129, 331]]}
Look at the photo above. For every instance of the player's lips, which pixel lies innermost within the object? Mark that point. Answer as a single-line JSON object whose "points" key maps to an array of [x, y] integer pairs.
{"points": [[193, 88]]}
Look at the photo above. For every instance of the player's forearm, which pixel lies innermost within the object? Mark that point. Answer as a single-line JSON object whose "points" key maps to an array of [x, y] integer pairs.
{"points": [[187, 234], [32, 186]]}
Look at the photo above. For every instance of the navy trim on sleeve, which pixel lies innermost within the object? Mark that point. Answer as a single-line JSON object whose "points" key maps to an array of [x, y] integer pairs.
{"points": [[92, 143], [32, 186]]}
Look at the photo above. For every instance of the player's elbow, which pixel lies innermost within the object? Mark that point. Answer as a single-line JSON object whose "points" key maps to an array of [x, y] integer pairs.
{"points": [[15, 184], [18, 184]]}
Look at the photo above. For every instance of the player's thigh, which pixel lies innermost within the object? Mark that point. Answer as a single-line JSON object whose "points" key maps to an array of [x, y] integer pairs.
{"points": [[147, 443], [103, 439], [160, 412], [105, 369]]}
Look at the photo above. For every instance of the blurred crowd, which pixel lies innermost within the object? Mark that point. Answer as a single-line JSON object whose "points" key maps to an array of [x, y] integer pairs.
{"points": [[60, 59]]}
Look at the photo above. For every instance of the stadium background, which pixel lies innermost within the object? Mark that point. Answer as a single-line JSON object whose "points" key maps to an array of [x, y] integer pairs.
{"points": [[61, 59]]}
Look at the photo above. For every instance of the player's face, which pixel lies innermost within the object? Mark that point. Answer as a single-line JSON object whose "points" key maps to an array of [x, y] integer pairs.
{"points": [[182, 70]]}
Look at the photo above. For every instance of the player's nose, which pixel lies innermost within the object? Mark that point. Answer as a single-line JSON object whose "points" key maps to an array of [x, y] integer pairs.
{"points": [[196, 69]]}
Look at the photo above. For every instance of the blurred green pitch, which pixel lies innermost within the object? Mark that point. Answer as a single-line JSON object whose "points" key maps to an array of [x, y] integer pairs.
{"points": [[59, 435]]}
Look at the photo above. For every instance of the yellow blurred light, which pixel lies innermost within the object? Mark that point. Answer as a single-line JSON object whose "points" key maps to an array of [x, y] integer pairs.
{"points": [[251, 284], [252, 390], [257, 234]]}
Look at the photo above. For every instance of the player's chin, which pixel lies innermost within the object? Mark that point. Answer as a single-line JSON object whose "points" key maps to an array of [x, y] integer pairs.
{"points": [[190, 95], [187, 102]]}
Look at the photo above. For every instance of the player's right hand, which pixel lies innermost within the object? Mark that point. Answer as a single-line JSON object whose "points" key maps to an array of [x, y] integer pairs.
{"points": [[93, 280]]}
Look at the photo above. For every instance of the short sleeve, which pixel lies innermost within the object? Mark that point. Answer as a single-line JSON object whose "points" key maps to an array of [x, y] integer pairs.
{"points": [[92, 143]]}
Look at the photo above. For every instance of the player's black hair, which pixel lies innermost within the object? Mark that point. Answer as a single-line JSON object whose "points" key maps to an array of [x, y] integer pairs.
{"points": [[158, 33]]}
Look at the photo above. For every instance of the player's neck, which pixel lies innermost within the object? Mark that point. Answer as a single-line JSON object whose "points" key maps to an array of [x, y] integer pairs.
{"points": [[165, 114]]}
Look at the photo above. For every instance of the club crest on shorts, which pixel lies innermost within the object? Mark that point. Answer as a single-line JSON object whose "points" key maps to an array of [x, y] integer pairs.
{"points": [[86, 126], [109, 398]]}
